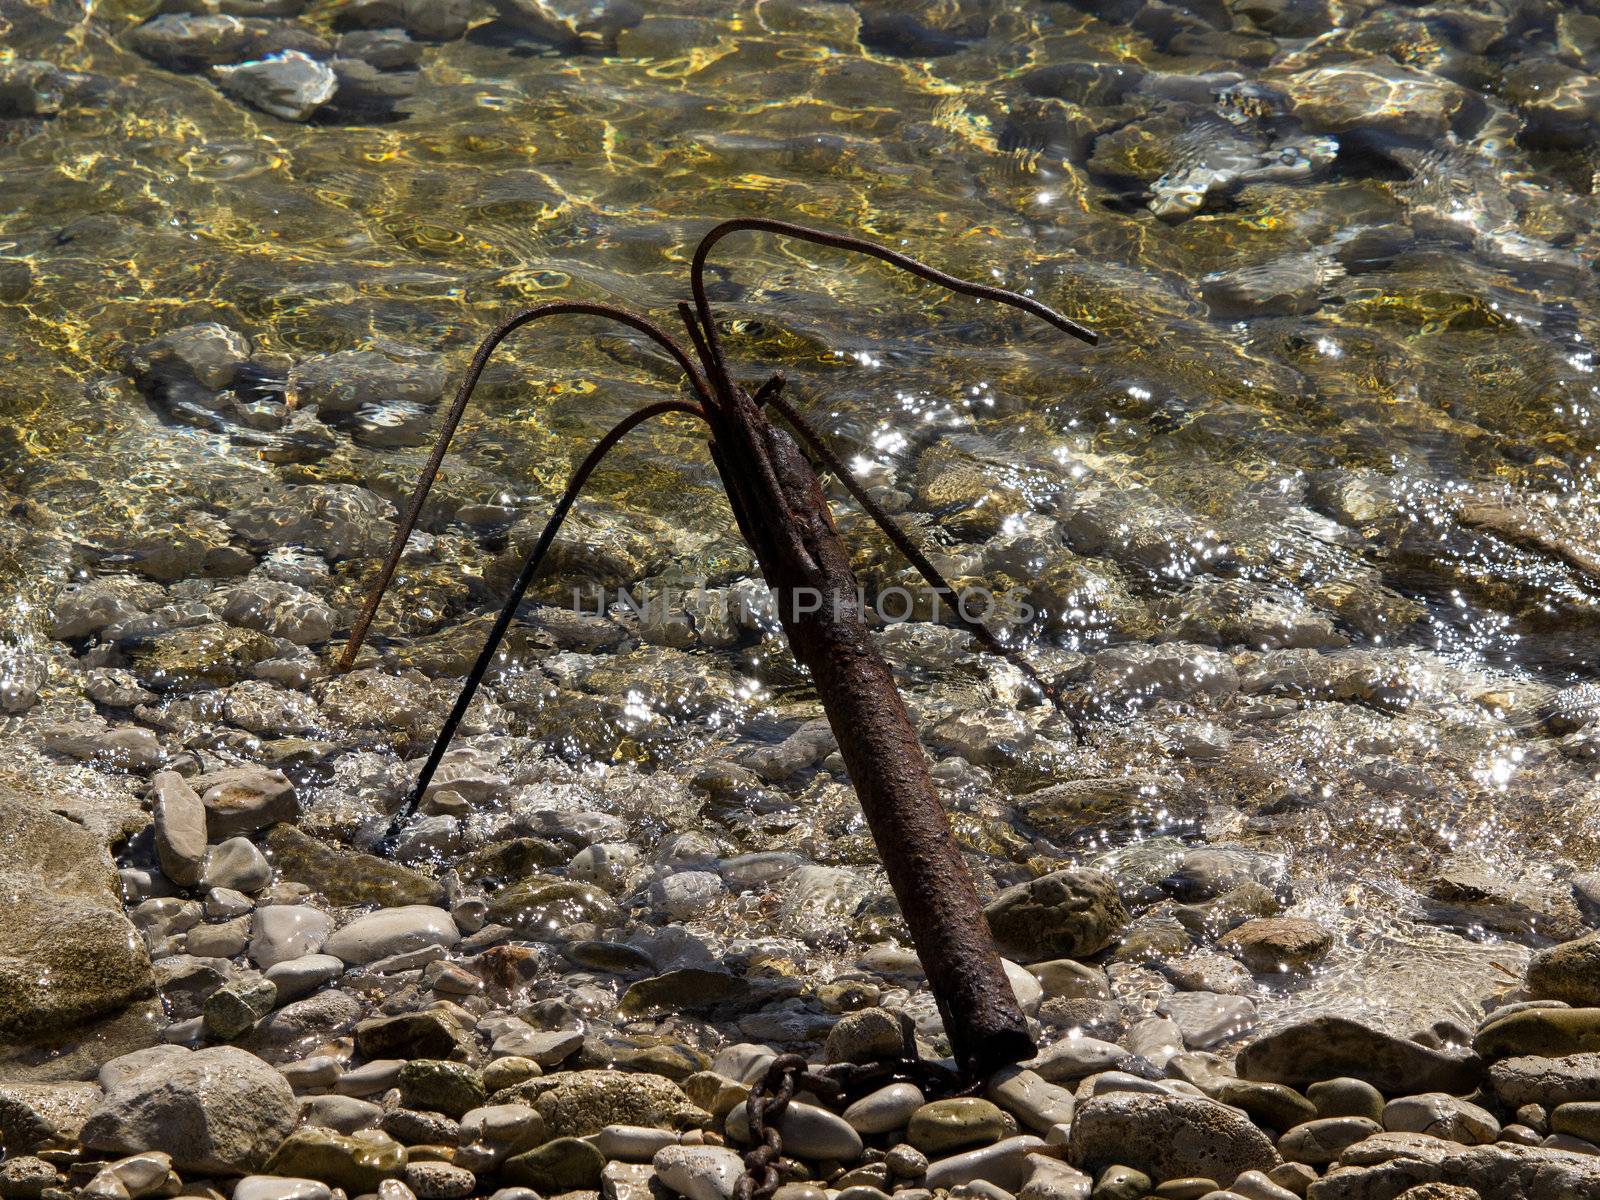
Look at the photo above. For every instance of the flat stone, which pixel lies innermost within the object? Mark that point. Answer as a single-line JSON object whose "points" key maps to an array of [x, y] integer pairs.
{"points": [[393, 931], [207, 354], [633, 1143], [1324, 1047], [290, 86], [298, 977], [220, 1110], [343, 382], [1074, 1057], [1025, 1095], [348, 877], [278, 1187], [548, 1048], [180, 828], [1207, 1019], [342, 1114], [1376, 95], [244, 800]]}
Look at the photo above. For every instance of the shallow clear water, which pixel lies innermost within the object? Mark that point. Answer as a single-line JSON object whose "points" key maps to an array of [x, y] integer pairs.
{"points": [[1381, 458]]}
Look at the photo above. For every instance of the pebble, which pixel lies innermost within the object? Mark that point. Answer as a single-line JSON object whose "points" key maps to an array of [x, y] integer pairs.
{"points": [[699, 1172], [279, 1187], [372, 1078], [1004, 1164], [1569, 972], [1319, 1142], [392, 931], [1167, 1137], [1069, 979], [306, 1074], [1051, 1179], [298, 977], [1074, 1057], [439, 1181], [1065, 914], [866, 1036], [236, 864], [1578, 1118], [1254, 1185], [344, 1114], [1206, 1019], [1443, 1116], [807, 1132], [946, 1126], [281, 932], [633, 1143], [1037, 1104], [886, 1109]]}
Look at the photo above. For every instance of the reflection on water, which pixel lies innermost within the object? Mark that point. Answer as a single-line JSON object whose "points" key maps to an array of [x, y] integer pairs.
{"points": [[1312, 534]]}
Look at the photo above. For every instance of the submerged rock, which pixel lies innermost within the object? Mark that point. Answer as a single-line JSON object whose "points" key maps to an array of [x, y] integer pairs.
{"points": [[1375, 95], [290, 86], [1071, 914], [1327, 1047], [351, 379]]}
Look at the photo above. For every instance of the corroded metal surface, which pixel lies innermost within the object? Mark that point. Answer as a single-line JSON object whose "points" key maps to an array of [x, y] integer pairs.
{"points": [[782, 514]]}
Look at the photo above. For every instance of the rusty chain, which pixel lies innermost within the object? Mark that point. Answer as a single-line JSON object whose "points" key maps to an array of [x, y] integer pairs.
{"points": [[832, 1085]]}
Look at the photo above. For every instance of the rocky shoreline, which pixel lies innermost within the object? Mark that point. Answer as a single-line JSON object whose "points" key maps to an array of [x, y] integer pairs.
{"points": [[567, 979], [1298, 899]]}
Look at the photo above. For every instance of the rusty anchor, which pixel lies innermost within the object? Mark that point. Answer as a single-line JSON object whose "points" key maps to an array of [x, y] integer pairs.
{"points": [[780, 510]]}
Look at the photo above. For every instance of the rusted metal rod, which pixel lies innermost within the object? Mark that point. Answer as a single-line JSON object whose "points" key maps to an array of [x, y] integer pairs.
{"points": [[778, 503]]}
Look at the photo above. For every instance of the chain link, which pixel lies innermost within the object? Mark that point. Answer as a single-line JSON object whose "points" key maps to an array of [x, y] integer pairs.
{"points": [[833, 1086]]}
